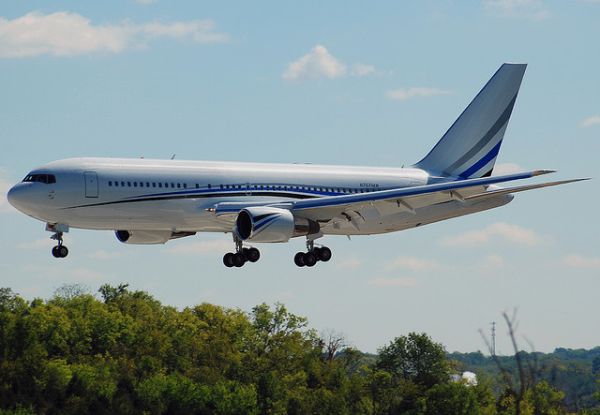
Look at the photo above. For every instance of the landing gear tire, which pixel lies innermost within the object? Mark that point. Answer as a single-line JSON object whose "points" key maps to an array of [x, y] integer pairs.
{"points": [[323, 253], [299, 259], [228, 260], [238, 259], [60, 251], [63, 251], [251, 254], [310, 259]]}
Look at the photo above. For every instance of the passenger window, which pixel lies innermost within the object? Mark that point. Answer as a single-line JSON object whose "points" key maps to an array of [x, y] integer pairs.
{"points": [[160, 185], [178, 185], [128, 184], [110, 183], [209, 186], [134, 184]]}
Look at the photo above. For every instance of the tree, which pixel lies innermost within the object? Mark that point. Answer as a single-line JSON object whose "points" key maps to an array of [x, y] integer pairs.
{"points": [[453, 398], [415, 358], [110, 293]]}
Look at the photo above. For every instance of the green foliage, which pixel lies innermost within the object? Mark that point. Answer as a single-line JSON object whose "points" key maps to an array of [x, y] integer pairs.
{"points": [[130, 354], [568, 370], [415, 358]]}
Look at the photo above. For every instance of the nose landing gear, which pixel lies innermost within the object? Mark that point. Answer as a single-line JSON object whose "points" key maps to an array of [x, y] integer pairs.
{"points": [[59, 251]]}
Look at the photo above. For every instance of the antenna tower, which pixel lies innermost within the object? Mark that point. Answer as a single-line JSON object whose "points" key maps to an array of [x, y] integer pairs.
{"points": [[493, 338]]}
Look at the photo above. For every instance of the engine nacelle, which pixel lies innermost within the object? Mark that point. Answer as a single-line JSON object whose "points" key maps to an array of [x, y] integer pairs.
{"points": [[269, 224], [149, 237]]}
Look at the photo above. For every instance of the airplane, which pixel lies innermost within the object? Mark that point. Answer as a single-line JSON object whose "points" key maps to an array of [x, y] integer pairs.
{"points": [[146, 201]]}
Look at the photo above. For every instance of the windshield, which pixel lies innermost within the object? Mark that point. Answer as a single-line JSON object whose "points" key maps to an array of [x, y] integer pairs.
{"points": [[41, 178]]}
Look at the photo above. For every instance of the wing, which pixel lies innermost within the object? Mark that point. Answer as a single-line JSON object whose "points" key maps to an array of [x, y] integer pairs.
{"points": [[360, 207]]}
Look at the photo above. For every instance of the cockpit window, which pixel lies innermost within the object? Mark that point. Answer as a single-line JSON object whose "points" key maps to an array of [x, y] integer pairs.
{"points": [[41, 178]]}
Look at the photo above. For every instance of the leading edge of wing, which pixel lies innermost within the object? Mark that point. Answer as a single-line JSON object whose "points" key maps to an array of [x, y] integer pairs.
{"points": [[331, 201]]}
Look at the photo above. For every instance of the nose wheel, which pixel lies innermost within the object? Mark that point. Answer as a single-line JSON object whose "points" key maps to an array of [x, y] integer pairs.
{"points": [[312, 256], [240, 256], [59, 251]]}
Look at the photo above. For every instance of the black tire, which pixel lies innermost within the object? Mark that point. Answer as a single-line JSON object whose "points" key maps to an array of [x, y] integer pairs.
{"points": [[55, 252], [228, 260], [299, 259], [317, 252], [63, 251], [324, 254], [310, 259], [252, 254], [239, 259]]}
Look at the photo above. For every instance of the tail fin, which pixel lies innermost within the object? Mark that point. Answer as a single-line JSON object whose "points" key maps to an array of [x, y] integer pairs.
{"points": [[470, 146]]}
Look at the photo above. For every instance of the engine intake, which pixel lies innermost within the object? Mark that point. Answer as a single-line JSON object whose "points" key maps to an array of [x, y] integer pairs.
{"points": [[268, 224]]}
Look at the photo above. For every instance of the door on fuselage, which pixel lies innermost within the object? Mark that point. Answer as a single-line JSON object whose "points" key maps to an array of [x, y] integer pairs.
{"points": [[91, 184]]}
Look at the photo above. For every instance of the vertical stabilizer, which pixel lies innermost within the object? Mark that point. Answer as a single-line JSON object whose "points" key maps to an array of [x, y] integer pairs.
{"points": [[470, 146]]}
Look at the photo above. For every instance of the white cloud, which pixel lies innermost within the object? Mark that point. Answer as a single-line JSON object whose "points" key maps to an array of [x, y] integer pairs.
{"points": [[404, 94], [5, 185], [104, 255], [580, 261], [493, 261], [589, 121], [65, 275], [146, 2], [319, 63], [500, 230], [507, 168], [348, 263], [360, 69], [411, 263], [84, 274], [69, 34], [201, 247], [523, 9], [394, 282], [42, 243]]}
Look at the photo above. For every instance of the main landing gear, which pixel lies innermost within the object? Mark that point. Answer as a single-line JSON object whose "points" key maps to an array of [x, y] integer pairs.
{"points": [[59, 251], [313, 255], [241, 255]]}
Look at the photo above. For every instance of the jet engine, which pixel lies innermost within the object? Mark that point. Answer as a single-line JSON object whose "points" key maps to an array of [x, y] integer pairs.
{"points": [[269, 224], [149, 237]]}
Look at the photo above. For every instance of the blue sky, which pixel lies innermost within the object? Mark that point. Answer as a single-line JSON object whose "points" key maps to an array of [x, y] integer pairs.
{"points": [[335, 83]]}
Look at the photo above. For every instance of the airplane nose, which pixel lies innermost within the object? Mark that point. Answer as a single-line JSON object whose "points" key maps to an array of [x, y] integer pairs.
{"points": [[15, 196], [11, 196]]}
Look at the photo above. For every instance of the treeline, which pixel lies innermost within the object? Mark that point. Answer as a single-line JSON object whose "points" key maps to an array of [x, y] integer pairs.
{"points": [[574, 372], [126, 353]]}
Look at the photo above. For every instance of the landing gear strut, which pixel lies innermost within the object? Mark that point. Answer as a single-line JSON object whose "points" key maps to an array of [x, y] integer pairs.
{"points": [[241, 255], [313, 255], [59, 251]]}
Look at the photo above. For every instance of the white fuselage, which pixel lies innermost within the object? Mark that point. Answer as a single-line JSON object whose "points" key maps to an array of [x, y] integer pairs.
{"points": [[174, 195]]}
